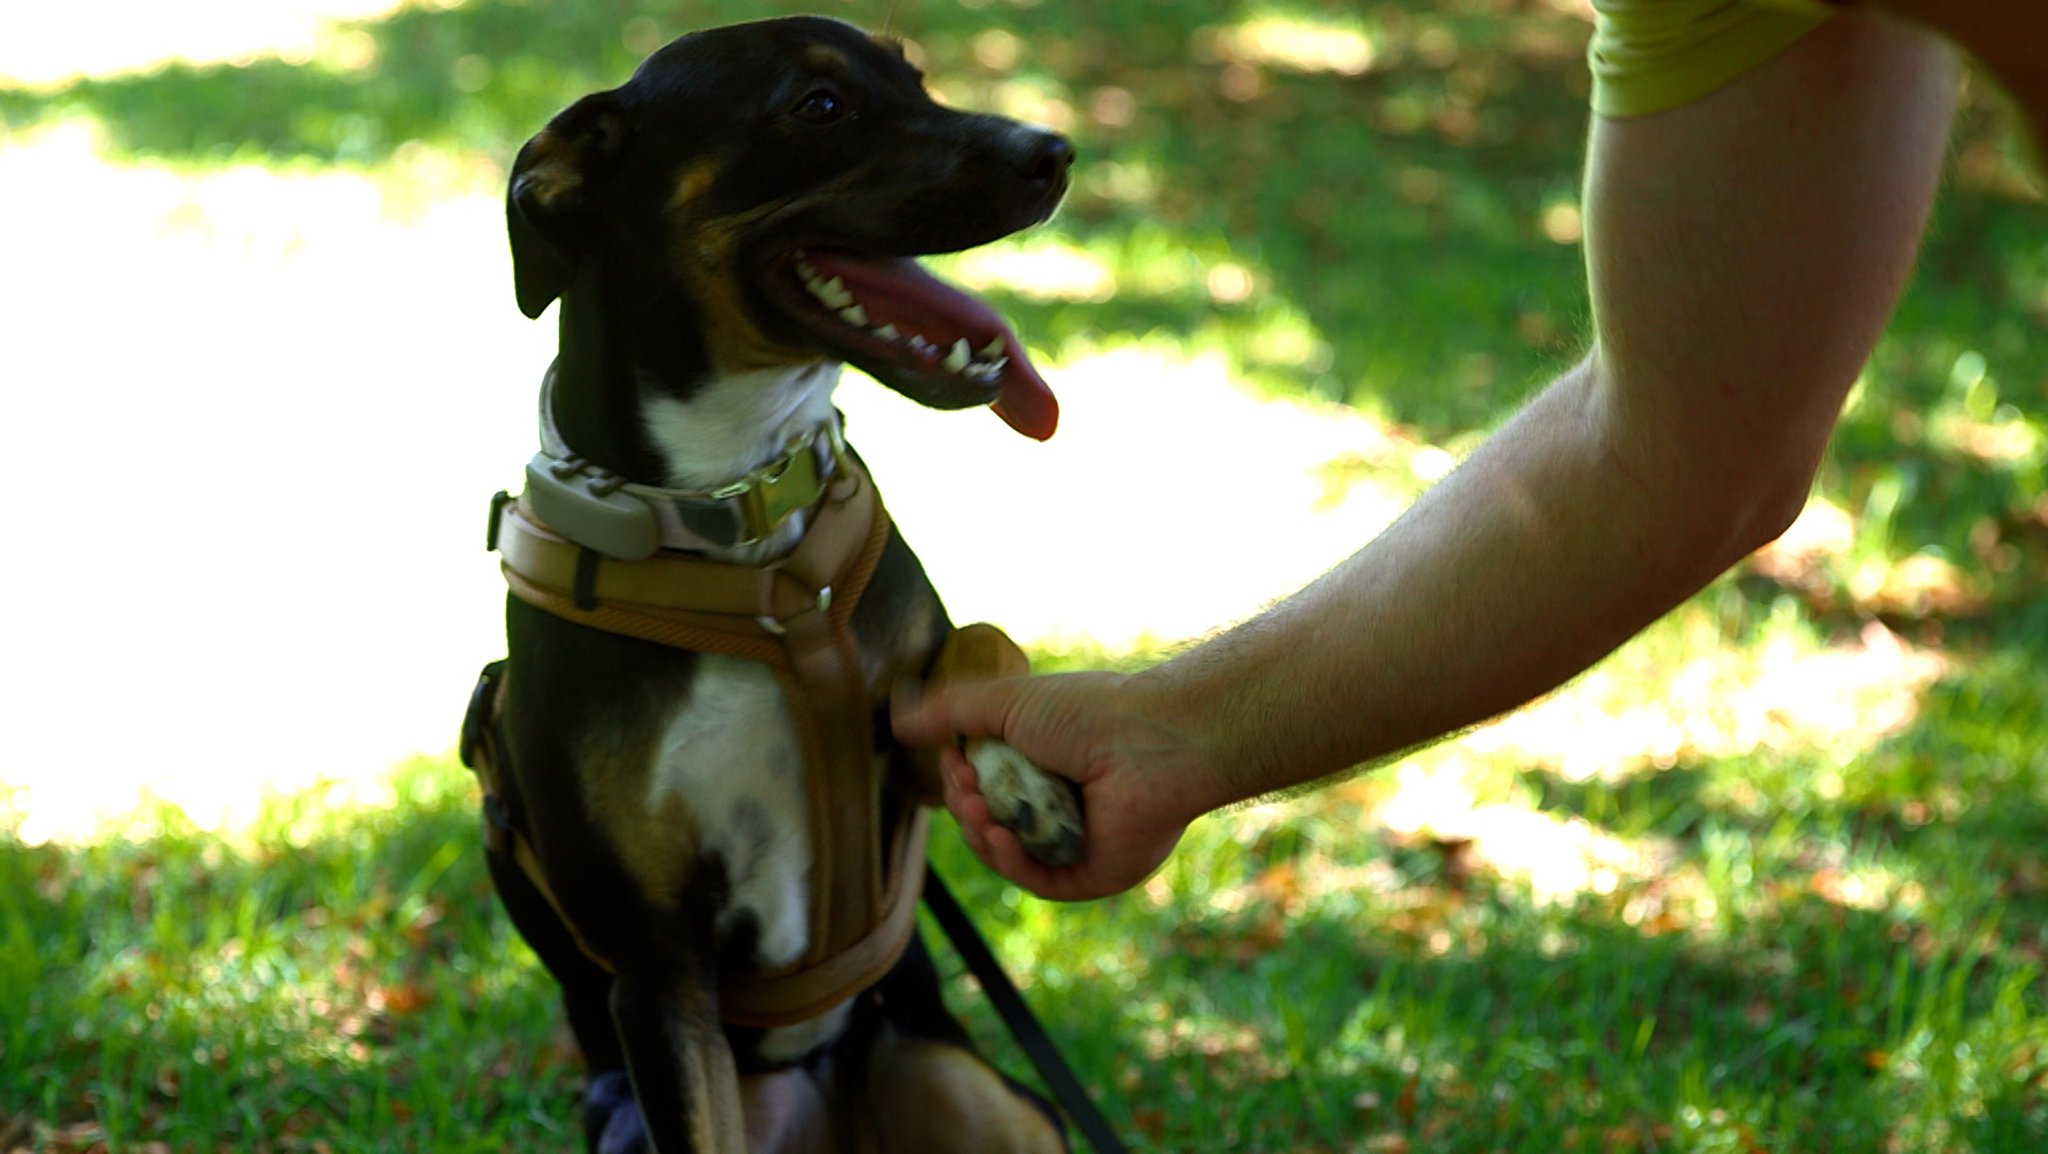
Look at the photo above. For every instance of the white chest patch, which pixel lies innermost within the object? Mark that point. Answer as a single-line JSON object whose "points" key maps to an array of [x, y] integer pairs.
{"points": [[732, 755], [731, 752], [738, 423]]}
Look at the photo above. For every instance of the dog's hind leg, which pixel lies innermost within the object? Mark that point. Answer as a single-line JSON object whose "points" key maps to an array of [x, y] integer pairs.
{"points": [[665, 1009], [586, 993], [788, 1112], [922, 1088], [933, 1097]]}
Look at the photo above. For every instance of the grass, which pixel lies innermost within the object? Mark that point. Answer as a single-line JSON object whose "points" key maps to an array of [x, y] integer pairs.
{"points": [[1721, 895], [1811, 968], [274, 993]]}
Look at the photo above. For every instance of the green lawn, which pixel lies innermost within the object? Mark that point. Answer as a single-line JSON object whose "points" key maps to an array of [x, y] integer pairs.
{"points": [[341, 978], [1817, 937]]}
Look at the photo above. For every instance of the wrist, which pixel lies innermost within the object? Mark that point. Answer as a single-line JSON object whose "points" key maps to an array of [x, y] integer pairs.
{"points": [[1180, 742]]}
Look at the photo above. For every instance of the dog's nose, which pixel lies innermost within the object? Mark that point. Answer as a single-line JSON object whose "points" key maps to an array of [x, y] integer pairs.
{"points": [[1043, 158], [1052, 159]]}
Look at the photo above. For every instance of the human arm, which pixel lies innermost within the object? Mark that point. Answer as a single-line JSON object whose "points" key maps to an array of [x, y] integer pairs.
{"points": [[1744, 251], [2008, 37]]}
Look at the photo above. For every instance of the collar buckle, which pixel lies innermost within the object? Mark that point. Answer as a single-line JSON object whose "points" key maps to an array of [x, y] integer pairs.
{"points": [[630, 521], [770, 495]]}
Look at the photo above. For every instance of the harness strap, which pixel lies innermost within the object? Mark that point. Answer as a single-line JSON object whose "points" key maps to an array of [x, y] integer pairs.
{"points": [[795, 617], [842, 543], [481, 749]]}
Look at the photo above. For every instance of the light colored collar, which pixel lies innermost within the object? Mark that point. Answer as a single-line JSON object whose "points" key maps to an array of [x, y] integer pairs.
{"points": [[597, 508]]}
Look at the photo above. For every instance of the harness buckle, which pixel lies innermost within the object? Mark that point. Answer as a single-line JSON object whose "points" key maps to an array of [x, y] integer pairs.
{"points": [[774, 625]]}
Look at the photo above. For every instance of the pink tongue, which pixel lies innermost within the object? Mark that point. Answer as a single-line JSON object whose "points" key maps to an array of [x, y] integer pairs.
{"points": [[900, 292]]}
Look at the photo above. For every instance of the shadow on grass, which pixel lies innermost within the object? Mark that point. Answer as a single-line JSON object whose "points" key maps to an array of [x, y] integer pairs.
{"points": [[1418, 185], [1407, 211], [1958, 798], [346, 978], [1887, 911], [1474, 1021], [355, 979], [1848, 954]]}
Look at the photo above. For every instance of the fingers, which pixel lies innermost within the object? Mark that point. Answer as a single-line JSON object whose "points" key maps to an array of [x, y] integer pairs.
{"points": [[1005, 855], [937, 716], [963, 798]]}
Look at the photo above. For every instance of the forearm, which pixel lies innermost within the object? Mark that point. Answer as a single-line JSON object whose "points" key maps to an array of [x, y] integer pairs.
{"points": [[1731, 325], [1565, 534]]}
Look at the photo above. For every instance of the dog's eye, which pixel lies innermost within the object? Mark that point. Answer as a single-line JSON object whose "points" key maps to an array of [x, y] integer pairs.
{"points": [[821, 106]]}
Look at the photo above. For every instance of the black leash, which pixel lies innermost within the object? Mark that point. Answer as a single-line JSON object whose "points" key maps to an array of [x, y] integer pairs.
{"points": [[1023, 1024]]}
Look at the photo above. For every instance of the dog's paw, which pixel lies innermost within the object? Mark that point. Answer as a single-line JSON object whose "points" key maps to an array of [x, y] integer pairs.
{"points": [[1039, 807], [611, 1118]]}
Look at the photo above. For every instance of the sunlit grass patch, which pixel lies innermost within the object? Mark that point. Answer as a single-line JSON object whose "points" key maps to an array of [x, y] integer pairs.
{"points": [[1304, 975], [328, 972], [45, 47], [1292, 41], [1685, 691], [1741, 946], [1457, 1016], [1771, 878]]}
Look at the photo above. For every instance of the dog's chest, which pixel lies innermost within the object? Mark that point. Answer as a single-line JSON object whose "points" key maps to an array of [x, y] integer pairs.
{"points": [[731, 754]]}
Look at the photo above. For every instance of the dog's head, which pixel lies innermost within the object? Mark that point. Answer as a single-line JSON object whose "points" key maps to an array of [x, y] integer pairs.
{"points": [[768, 185]]}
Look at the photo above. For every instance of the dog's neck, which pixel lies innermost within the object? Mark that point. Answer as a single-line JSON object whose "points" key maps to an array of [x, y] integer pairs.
{"points": [[698, 434], [726, 427], [595, 398], [629, 397], [730, 426]]}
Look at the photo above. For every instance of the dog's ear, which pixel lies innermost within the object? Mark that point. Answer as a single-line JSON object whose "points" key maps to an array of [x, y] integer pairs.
{"points": [[555, 182]]}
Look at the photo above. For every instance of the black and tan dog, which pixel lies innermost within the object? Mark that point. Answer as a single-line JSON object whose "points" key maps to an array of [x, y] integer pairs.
{"points": [[723, 232]]}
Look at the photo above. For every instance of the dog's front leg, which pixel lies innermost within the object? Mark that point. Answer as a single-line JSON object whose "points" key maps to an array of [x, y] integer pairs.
{"points": [[676, 1053], [1039, 807]]}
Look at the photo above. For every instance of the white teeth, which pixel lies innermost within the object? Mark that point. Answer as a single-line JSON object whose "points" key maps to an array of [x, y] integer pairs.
{"points": [[987, 365], [832, 292]]}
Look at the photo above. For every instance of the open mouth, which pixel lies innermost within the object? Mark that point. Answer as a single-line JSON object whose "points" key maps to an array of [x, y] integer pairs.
{"points": [[917, 334]]}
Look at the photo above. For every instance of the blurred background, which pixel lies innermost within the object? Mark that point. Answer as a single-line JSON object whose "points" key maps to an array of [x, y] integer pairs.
{"points": [[1771, 877]]}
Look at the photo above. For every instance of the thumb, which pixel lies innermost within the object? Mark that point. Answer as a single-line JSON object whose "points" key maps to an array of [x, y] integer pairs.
{"points": [[938, 715]]}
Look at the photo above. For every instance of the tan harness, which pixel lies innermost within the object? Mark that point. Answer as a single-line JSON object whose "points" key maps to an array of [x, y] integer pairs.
{"points": [[794, 617]]}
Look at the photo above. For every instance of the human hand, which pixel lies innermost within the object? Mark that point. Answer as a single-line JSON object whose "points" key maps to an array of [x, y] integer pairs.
{"points": [[1139, 778]]}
